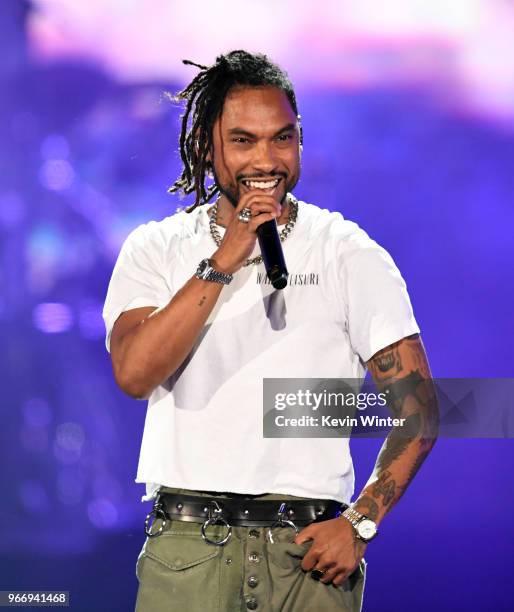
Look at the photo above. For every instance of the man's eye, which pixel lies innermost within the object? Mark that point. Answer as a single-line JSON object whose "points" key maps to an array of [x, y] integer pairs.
{"points": [[284, 137], [240, 139]]}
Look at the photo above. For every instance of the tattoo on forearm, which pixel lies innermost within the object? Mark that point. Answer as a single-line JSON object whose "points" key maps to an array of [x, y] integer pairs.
{"points": [[200, 303], [398, 440], [401, 371], [418, 462], [368, 506], [385, 486]]}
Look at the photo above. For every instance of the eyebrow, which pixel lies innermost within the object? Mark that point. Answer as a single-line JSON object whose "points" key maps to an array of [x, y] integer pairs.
{"points": [[287, 128]]}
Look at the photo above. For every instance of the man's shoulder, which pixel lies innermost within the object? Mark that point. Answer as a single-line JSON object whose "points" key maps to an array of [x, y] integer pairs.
{"points": [[168, 230], [332, 225]]}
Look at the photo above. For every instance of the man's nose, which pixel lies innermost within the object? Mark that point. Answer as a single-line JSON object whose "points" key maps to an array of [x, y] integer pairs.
{"points": [[264, 159]]}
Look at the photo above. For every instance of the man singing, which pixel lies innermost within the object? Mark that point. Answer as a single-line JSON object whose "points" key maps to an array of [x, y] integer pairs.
{"points": [[243, 522]]}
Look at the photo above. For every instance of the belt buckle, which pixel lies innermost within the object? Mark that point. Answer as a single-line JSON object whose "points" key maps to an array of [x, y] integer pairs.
{"points": [[216, 516], [281, 521], [157, 512]]}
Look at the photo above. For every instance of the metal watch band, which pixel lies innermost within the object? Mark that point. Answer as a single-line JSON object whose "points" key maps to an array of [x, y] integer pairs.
{"points": [[205, 271], [219, 277], [353, 516]]}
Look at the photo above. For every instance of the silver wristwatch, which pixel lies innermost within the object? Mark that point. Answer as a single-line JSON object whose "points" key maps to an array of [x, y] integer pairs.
{"points": [[365, 528], [205, 271]]}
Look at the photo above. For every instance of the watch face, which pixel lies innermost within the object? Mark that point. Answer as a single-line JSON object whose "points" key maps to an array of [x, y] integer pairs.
{"points": [[202, 266], [366, 529]]}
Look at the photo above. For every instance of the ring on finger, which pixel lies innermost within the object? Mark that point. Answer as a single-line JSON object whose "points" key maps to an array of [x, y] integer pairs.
{"points": [[245, 215], [317, 574]]}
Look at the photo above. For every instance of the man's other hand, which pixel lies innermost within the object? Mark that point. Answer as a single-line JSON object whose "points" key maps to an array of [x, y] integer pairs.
{"points": [[335, 549]]}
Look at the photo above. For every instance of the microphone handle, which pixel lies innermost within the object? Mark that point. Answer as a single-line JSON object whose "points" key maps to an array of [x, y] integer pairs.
{"points": [[272, 254]]}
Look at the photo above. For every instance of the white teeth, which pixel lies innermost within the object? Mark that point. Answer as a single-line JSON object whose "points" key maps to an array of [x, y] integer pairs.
{"points": [[261, 184]]}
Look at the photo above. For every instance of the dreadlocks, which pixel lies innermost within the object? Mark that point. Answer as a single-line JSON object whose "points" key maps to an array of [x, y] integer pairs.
{"points": [[204, 97]]}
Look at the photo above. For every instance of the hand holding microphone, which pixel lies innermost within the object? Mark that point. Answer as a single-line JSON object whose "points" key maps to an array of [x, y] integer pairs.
{"points": [[254, 217]]}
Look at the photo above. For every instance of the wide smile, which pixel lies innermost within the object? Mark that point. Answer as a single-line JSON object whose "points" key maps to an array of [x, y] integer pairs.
{"points": [[268, 187]]}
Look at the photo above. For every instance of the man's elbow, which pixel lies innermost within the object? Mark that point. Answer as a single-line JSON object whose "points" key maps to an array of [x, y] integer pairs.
{"points": [[132, 385]]}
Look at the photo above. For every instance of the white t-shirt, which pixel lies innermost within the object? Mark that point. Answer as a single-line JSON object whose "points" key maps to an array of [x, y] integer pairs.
{"points": [[345, 300]]}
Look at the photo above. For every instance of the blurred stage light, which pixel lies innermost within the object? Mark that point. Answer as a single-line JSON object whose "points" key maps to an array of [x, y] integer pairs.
{"points": [[68, 443], [45, 246], [55, 146], [56, 174], [102, 513], [462, 49], [52, 318], [70, 436]]}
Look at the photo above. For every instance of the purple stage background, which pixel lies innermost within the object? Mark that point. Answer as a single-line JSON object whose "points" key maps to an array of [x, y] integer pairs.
{"points": [[409, 131]]}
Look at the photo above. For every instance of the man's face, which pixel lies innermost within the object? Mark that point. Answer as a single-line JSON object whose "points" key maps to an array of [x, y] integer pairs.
{"points": [[256, 137]]}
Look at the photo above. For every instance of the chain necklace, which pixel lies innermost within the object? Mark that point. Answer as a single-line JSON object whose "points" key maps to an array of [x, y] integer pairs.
{"points": [[291, 220]]}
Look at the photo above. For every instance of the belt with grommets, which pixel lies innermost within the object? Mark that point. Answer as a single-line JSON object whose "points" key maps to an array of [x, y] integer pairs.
{"points": [[240, 511]]}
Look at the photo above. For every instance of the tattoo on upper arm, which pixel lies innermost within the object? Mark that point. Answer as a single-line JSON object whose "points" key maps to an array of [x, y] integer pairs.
{"points": [[413, 385], [388, 362]]}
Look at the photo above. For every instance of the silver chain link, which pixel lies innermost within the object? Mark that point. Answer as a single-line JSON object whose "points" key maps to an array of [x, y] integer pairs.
{"points": [[291, 220]]}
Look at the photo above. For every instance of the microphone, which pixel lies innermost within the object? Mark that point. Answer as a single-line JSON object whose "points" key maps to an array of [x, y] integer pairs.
{"points": [[272, 254]]}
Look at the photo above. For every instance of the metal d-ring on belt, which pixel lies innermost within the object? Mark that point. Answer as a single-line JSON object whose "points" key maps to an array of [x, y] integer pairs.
{"points": [[212, 520], [282, 521], [233, 511], [215, 517], [157, 512]]}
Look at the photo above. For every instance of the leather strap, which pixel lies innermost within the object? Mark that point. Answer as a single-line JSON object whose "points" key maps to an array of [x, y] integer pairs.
{"points": [[248, 512]]}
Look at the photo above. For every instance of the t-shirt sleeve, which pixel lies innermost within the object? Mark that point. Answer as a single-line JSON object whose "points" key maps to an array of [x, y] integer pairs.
{"points": [[138, 278], [378, 308]]}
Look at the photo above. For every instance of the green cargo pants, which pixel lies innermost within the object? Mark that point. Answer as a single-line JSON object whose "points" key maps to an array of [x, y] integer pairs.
{"points": [[179, 571]]}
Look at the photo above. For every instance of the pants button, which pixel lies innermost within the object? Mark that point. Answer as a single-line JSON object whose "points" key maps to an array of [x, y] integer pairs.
{"points": [[253, 533], [253, 581], [253, 557], [252, 604]]}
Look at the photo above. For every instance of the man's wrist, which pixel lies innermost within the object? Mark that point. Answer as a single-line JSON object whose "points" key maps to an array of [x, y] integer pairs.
{"points": [[365, 528], [369, 506], [220, 266]]}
